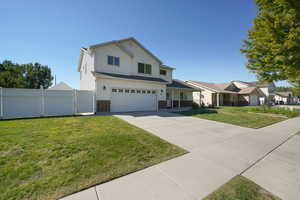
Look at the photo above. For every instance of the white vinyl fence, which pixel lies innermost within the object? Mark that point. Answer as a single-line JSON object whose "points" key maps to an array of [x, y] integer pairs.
{"points": [[22, 103]]}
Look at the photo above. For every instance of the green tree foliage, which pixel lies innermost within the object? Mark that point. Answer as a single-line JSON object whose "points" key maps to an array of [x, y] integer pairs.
{"points": [[13, 75], [273, 45]]}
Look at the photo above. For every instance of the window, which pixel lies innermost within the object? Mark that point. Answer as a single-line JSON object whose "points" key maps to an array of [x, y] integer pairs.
{"points": [[148, 69], [120, 90], [143, 91], [112, 60], [114, 90], [153, 91], [148, 91], [138, 91], [126, 91], [144, 68], [163, 72], [132, 91]]}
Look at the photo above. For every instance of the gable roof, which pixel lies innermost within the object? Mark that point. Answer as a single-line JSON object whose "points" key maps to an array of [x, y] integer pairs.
{"points": [[132, 77], [247, 90], [61, 86], [117, 42], [223, 87], [284, 94], [257, 83], [215, 87], [179, 84]]}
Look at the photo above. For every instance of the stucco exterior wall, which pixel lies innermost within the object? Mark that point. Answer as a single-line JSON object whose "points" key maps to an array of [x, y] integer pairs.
{"points": [[105, 94], [87, 79], [128, 64], [168, 76], [206, 97]]}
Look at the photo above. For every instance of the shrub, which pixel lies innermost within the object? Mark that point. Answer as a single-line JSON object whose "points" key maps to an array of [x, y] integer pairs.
{"points": [[195, 106]]}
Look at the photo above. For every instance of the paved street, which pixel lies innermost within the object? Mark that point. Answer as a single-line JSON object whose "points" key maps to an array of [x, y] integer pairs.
{"points": [[218, 152]]}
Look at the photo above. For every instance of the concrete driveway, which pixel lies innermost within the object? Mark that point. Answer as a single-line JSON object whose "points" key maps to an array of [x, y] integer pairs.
{"points": [[218, 152]]}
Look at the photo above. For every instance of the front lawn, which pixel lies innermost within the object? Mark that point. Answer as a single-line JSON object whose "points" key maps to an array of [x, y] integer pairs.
{"points": [[240, 188], [47, 158], [240, 116]]}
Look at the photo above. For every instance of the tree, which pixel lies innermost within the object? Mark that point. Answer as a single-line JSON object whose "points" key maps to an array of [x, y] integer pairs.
{"points": [[13, 75], [273, 45]]}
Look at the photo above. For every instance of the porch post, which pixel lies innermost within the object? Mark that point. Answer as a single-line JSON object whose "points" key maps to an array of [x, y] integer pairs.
{"points": [[218, 99], [172, 97], [179, 106], [200, 98]]}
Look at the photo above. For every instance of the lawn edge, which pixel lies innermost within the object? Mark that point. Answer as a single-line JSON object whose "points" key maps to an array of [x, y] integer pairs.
{"points": [[184, 152], [283, 119]]}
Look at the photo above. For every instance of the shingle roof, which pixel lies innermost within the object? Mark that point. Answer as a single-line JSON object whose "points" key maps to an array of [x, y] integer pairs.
{"points": [[247, 90], [179, 84], [218, 87], [223, 87], [133, 77], [256, 83], [284, 94]]}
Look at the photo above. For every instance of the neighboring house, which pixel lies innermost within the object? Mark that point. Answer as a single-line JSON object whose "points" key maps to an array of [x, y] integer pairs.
{"points": [[267, 88], [226, 94], [60, 86], [284, 98], [128, 77]]}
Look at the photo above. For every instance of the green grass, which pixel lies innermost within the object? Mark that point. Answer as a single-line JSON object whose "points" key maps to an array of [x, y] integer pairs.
{"points": [[272, 110], [240, 188], [47, 158], [236, 116], [298, 133]]}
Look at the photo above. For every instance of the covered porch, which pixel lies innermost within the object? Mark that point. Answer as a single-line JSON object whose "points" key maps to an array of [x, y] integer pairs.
{"points": [[179, 95]]}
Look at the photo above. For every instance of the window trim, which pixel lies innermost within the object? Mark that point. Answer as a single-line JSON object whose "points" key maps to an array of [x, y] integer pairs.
{"points": [[144, 68], [114, 60]]}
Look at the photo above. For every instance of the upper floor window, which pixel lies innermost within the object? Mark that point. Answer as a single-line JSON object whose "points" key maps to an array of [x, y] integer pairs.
{"points": [[112, 60], [163, 72], [144, 68]]}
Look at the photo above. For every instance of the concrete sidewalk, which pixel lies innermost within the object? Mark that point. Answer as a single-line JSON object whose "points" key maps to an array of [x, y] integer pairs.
{"points": [[218, 153]]}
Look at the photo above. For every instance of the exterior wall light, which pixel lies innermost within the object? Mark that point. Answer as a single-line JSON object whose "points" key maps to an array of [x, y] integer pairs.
{"points": [[104, 87]]}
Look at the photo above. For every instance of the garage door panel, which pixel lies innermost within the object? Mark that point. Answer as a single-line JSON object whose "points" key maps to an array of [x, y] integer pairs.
{"points": [[127, 102]]}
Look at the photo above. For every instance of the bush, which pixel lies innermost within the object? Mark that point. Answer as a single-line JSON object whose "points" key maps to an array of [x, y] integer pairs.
{"points": [[195, 106]]}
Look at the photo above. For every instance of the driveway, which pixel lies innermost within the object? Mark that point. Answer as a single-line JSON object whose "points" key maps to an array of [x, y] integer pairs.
{"points": [[218, 152]]}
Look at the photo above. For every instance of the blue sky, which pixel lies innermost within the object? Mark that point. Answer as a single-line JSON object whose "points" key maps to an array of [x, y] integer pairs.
{"points": [[200, 38]]}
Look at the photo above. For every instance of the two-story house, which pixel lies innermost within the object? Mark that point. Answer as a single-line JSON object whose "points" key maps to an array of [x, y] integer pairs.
{"points": [[128, 77]]}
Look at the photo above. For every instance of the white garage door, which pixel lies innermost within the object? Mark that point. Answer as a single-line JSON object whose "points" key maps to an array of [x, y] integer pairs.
{"points": [[127, 100], [253, 100]]}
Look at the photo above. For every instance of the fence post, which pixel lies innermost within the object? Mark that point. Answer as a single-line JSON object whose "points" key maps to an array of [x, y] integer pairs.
{"points": [[42, 102], [1, 105], [94, 102], [74, 102]]}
